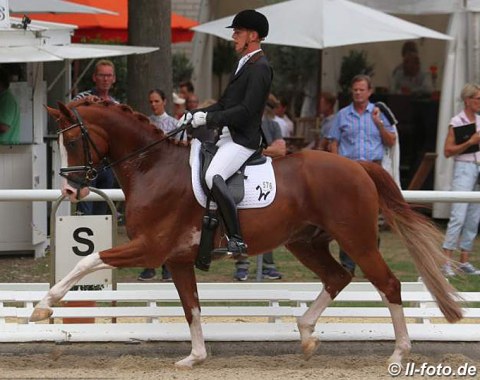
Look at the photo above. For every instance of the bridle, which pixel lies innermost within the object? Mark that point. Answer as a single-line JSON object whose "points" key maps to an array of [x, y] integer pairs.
{"points": [[89, 168]]}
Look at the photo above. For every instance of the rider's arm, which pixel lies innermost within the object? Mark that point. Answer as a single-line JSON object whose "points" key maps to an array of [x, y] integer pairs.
{"points": [[253, 102]]}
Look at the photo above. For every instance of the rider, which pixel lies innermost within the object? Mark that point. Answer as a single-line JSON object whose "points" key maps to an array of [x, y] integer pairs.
{"points": [[238, 116]]}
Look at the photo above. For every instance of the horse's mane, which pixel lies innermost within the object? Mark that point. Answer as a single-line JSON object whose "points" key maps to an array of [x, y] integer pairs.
{"points": [[144, 120]]}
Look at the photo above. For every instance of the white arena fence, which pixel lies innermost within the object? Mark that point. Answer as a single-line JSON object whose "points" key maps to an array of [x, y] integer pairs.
{"points": [[230, 311], [414, 196]]}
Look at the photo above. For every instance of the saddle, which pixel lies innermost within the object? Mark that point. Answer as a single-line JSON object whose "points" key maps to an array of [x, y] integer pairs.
{"points": [[236, 182], [236, 187]]}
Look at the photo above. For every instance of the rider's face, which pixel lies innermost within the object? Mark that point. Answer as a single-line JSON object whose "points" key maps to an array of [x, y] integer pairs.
{"points": [[241, 39]]}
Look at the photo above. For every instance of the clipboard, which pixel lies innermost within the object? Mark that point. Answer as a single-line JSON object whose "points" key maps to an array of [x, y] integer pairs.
{"points": [[463, 133]]}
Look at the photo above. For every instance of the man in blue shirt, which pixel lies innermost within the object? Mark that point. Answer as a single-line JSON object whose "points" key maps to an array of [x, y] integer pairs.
{"points": [[360, 132]]}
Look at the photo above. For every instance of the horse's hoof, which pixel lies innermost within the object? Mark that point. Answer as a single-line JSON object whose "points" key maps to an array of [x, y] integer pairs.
{"points": [[189, 362], [39, 314], [309, 347]]}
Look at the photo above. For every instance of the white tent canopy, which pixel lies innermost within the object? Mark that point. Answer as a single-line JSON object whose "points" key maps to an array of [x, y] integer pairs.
{"points": [[45, 42], [418, 7], [321, 24], [52, 6]]}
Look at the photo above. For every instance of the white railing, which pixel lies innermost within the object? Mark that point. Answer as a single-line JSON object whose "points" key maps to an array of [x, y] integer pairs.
{"points": [[117, 195], [279, 303], [230, 312]]}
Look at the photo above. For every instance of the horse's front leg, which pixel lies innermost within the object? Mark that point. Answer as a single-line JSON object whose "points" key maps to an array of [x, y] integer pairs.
{"points": [[85, 266], [128, 254], [183, 276]]}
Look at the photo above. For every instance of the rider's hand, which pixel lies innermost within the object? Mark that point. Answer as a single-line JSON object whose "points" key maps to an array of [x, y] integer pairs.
{"points": [[184, 120], [199, 119]]}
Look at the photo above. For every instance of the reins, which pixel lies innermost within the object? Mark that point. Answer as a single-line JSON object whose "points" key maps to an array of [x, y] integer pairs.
{"points": [[147, 147], [89, 168]]}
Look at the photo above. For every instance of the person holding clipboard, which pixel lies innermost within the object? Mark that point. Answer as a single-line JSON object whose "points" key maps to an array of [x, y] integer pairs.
{"points": [[462, 143]]}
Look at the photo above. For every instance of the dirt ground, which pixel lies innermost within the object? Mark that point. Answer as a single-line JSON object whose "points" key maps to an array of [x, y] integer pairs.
{"points": [[227, 361]]}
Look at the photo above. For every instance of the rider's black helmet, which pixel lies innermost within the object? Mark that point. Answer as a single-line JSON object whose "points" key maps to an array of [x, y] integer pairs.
{"points": [[251, 19]]}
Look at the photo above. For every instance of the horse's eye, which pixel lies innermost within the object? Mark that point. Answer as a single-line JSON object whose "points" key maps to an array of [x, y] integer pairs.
{"points": [[71, 144]]}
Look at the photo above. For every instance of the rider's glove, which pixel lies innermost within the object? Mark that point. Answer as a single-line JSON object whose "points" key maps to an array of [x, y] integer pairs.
{"points": [[184, 120], [199, 119]]}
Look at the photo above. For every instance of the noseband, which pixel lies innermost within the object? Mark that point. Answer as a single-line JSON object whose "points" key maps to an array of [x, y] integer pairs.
{"points": [[88, 169]]}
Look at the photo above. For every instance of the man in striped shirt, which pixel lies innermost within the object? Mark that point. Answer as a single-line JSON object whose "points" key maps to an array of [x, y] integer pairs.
{"points": [[104, 78], [360, 132]]}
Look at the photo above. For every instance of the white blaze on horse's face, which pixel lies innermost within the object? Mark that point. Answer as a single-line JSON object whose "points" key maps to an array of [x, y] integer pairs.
{"points": [[69, 191]]}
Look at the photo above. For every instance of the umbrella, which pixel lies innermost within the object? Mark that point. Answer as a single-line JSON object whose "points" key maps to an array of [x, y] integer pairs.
{"points": [[51, 42], [52, 6], [321, 24], [113, 28]]}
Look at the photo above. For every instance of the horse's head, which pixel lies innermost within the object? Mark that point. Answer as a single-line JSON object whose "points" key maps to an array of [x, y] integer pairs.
{"points": [[82, 147]]}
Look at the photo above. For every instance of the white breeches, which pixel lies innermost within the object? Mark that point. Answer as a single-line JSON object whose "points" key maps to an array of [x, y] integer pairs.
{"points": [[229, 158]]}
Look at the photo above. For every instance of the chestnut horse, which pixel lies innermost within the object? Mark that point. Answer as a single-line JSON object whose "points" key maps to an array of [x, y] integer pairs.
{"points": [[319, 196]]}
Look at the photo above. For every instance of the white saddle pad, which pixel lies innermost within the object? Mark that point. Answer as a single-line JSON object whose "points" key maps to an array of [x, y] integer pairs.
{"points": [[260, 186]]}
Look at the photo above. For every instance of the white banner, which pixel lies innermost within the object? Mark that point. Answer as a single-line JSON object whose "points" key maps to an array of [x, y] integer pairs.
{"points": [[4, 15], [77, 237]]}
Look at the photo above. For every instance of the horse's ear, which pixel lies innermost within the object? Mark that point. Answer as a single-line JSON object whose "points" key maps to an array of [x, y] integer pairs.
{"points": [[65, 111], [53, 112]]}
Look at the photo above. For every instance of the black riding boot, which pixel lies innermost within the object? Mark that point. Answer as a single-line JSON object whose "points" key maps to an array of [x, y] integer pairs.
{"points": [[228, 209]]}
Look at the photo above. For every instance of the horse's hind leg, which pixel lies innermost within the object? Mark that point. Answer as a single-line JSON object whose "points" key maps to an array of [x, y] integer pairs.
{"points": [[183, 276], [376, 270], [315, 255]]}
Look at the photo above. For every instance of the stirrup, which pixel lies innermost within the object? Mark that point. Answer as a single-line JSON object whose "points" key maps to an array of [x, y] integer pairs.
{"points": [[235, 249]]}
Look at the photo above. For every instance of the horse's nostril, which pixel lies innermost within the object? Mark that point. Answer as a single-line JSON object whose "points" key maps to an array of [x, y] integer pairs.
{"points": [[70, 192]]}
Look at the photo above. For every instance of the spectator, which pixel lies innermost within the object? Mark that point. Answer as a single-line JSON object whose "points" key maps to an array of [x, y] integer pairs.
{"points": [[360, 132], [162, 120], [9, 112], [179, 106], [464, 217], [276, 147], [186, 89], [326, 110], [408, 78], [282, 123], [192, 102], [281, 112], [104, 78]]}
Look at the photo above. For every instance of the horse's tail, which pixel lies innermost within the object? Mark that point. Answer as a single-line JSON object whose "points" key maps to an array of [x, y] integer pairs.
{"points": [[422, 239]]}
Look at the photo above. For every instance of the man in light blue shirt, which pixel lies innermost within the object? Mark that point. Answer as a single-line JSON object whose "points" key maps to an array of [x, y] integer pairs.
{"points": [[360, 132]]}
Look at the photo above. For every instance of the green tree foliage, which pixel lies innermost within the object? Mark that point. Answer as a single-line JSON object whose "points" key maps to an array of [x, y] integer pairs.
{"points": [[292, 68], [181, 67], [224, 59], [354, 63]]}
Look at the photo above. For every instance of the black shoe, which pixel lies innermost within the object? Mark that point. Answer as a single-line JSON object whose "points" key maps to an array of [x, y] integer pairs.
{"points": [[235, 249], [147, 274], [166, 275]]}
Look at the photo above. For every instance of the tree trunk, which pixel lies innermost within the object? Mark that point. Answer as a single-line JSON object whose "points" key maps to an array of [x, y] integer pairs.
{"points": [[149, 24]]}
